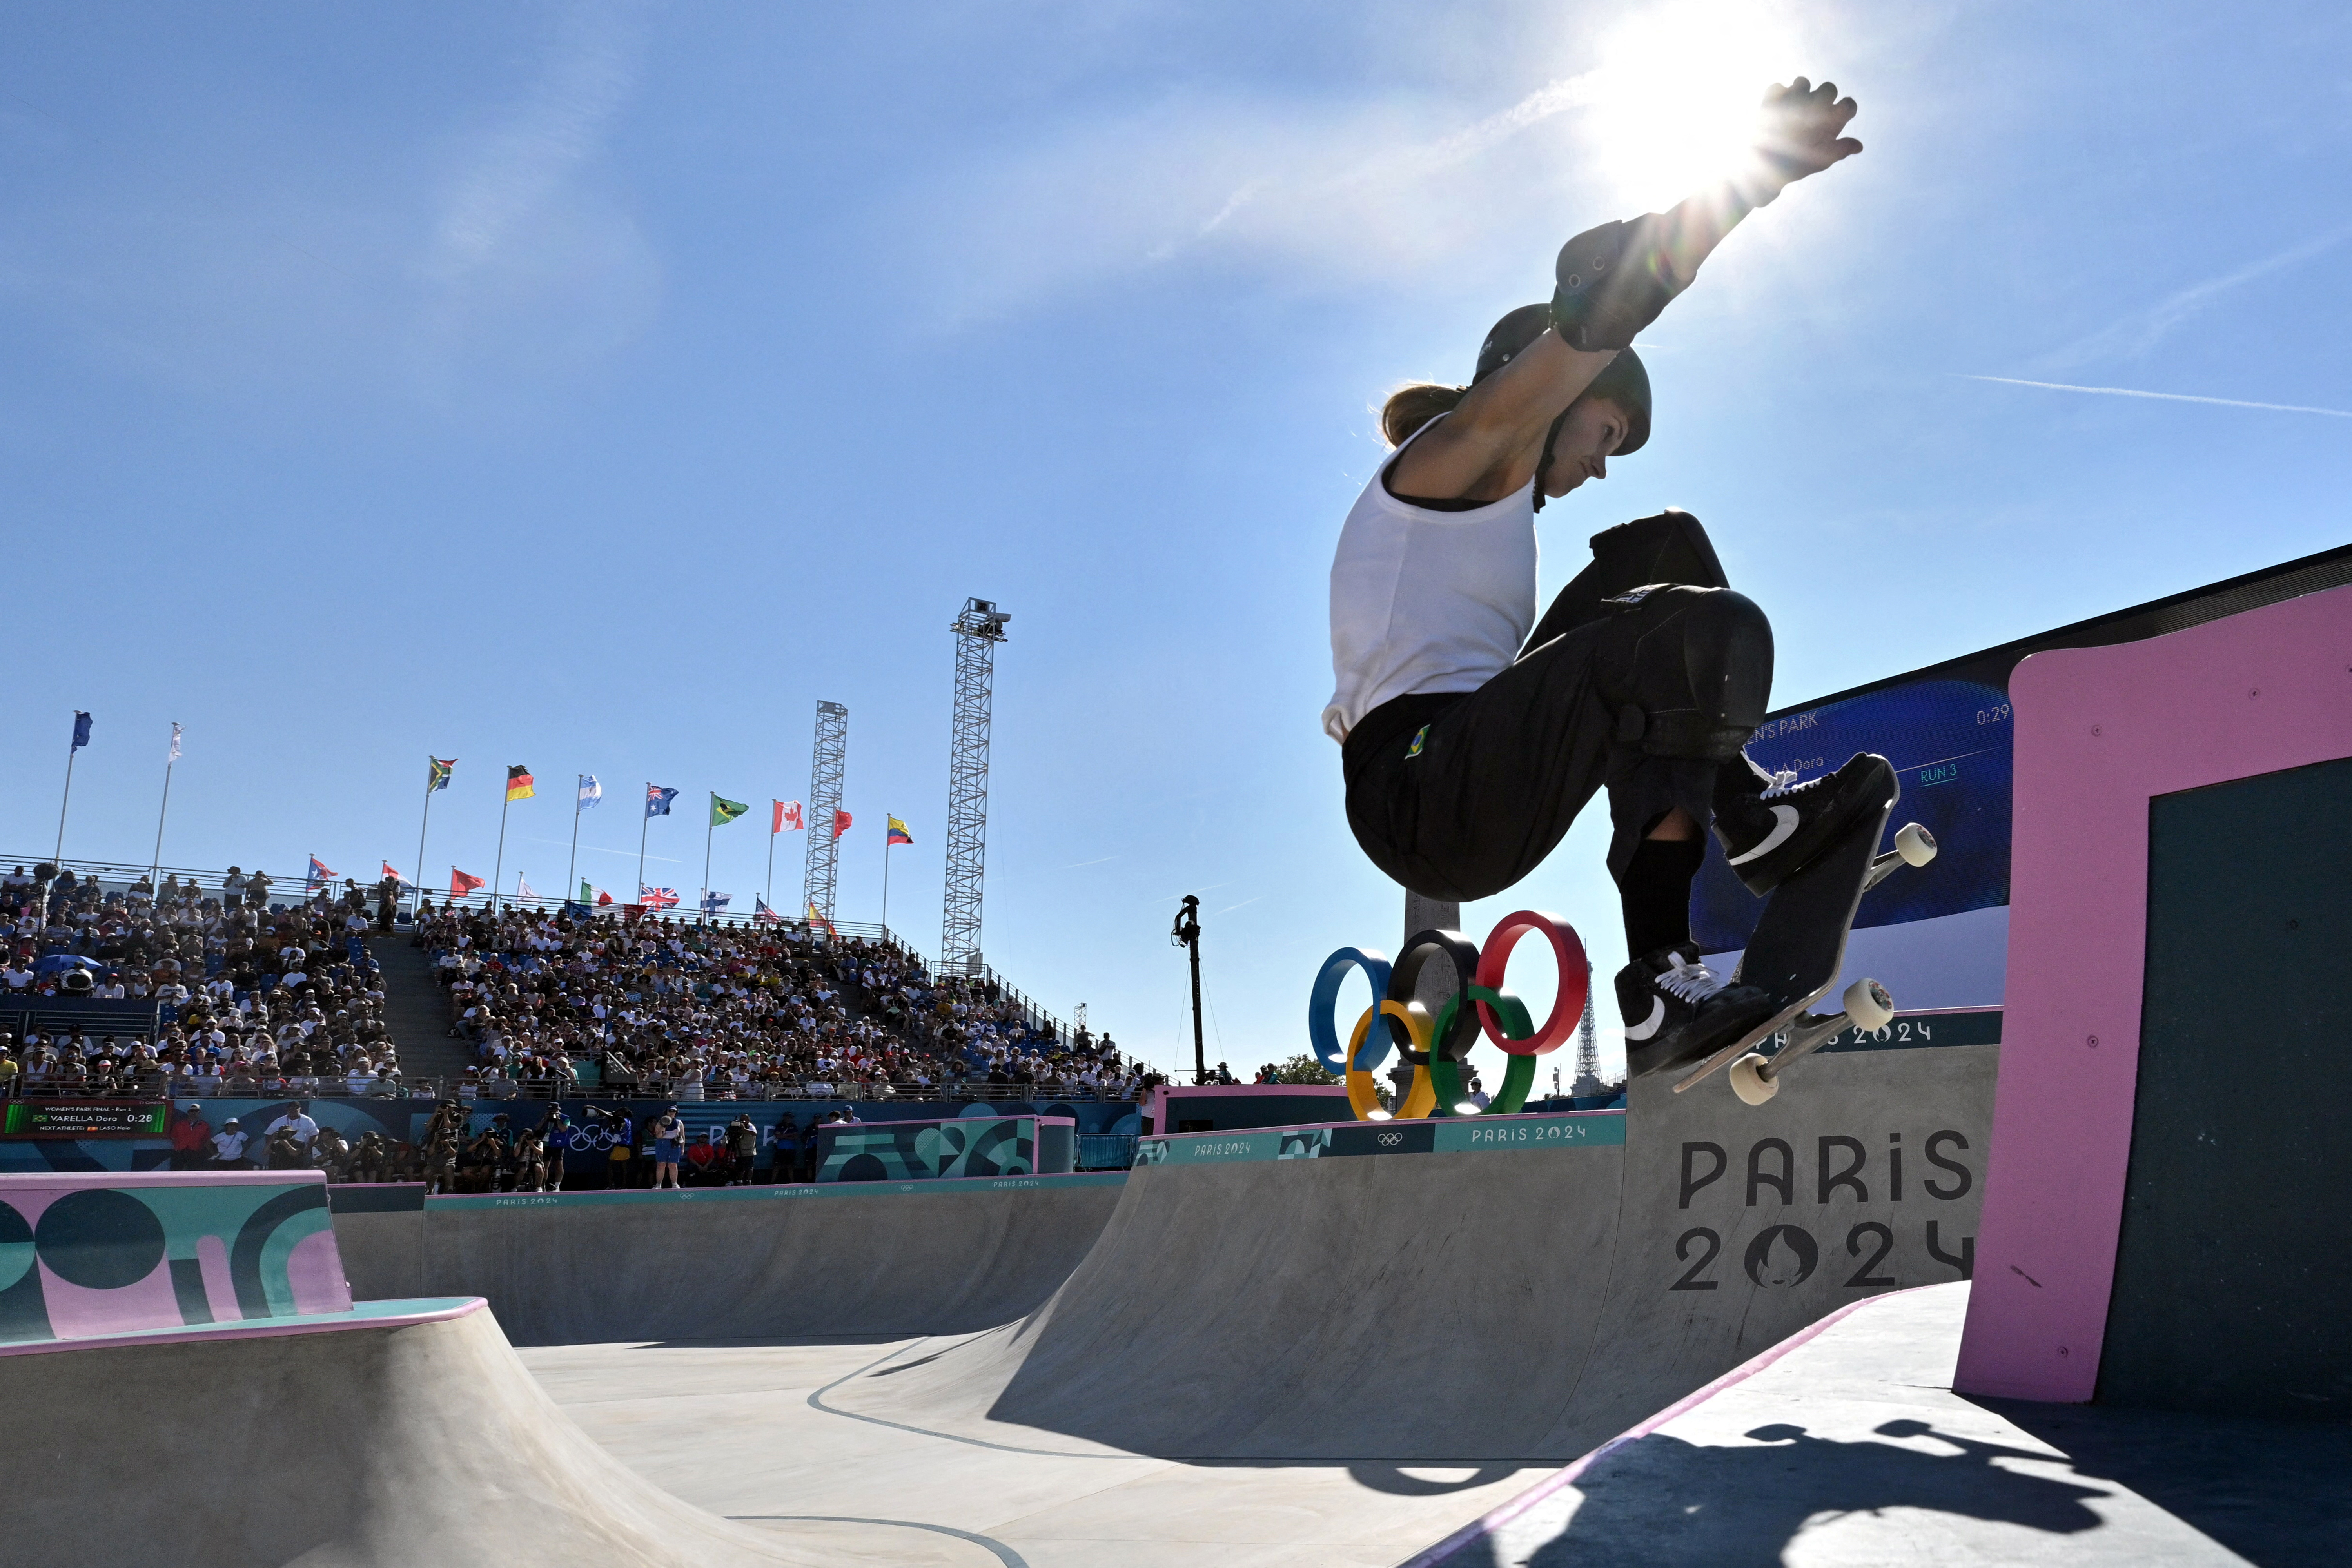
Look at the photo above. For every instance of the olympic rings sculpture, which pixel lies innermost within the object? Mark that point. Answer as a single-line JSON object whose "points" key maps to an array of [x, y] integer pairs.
{"points": [[1437, 1047]]}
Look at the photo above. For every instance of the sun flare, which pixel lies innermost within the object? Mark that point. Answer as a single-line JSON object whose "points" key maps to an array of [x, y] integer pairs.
{"points": [[1674, 97]]}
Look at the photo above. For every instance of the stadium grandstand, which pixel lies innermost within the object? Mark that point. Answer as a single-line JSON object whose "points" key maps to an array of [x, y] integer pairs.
{"points": [[121, 982]]}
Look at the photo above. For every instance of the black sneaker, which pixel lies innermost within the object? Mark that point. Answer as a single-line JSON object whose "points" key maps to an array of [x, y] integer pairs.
{"points": [[1781, 825], [1677, 1010]]}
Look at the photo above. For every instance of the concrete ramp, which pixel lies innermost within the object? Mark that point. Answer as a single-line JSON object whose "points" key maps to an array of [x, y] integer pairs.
{"points": [[880, 1257], [412, 1446], [1514, 1288]]}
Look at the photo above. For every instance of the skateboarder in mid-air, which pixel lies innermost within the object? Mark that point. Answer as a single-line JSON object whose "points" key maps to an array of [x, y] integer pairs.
{"points": [[1470, 733]]}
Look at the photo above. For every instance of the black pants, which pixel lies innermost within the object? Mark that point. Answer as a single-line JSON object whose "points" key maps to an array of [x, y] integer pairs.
{"points": [[1460, 795]]}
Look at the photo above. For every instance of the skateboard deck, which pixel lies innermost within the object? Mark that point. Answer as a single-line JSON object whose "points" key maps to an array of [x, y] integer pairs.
{"points": [[1800, 947]]}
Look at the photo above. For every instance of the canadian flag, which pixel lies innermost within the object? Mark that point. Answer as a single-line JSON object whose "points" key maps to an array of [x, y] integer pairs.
{"points": [[788, 815], [840, 823]]}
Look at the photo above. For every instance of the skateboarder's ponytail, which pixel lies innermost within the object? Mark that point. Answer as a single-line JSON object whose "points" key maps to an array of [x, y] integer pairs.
{"points": [[1410, 407]]}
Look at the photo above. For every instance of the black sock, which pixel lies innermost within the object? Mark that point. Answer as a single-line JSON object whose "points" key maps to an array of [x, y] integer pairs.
{"points": [[1655, 890]]}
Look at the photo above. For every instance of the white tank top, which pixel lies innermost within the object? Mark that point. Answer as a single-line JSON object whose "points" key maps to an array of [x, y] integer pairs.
{"points": [[1426, 601]]}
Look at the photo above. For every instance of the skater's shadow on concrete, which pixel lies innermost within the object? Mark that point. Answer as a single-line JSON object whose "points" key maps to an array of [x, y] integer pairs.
{"points": [[2273, 1492], [1662, 1501], [1392, 1479]]}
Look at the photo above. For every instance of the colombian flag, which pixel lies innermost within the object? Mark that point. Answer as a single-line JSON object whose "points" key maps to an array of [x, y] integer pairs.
{"points": [[898, 833], [519, 783]]}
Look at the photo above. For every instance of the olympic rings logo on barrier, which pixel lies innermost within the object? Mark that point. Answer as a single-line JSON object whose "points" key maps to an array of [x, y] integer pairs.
{"points": [[1437, 1047]]}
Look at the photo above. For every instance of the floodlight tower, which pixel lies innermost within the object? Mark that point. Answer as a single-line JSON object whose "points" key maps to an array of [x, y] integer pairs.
{"points": [[827, 759], [978, 630]]}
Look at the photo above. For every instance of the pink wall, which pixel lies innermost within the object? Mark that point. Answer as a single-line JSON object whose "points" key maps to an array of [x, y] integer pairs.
{"points": [[2100, 731], [193, 1217]]}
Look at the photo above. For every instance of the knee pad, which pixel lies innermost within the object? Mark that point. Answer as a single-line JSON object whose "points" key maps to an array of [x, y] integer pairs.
{"points": [[1689, 670], [1670, 547]]}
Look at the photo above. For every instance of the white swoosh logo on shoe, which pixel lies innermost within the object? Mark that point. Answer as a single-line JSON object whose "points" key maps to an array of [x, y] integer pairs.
{"points": [[1649, 1026], [1774, 839]]}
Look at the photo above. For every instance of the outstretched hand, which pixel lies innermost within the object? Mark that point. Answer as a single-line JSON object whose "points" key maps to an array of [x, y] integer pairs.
{"points": [[1799, 134]]}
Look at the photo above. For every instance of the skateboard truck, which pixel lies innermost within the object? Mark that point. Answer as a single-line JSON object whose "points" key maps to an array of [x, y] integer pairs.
{"points": [[1755, 1078]]}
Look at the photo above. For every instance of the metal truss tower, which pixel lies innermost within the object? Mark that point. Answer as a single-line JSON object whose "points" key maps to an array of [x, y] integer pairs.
{"points": [[1588, 1053], [978, 630], [827, 759]]}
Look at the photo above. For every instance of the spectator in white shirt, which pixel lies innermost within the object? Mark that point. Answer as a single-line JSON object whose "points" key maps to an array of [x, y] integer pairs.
{"points": [[228, 1147], [297, 1118]]}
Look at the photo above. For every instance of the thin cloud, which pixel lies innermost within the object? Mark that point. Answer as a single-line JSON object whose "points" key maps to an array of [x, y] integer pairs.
{"points": [[1173, 897], [1373, 188], [2136, 333], [593, 850], [1103, 861], [589, 76], [527, 262], [1245, 903], [2166, 396]]}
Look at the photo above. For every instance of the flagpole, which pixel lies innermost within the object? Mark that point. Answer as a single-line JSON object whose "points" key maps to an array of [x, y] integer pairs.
{"points": [[56, 855], [644, 824], [424, 822], [494, 871], [157, 869], [571, 872], [885, 875], [706, 826], [771, 900]]}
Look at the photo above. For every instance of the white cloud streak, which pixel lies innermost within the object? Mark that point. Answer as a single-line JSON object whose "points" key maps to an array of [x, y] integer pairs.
{"points": [[557, 128], [1371, 190], [2137, 334], [2166, 396]]}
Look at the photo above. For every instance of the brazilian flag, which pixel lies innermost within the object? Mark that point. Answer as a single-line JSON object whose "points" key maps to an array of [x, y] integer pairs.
{"points": [[724, 811]]}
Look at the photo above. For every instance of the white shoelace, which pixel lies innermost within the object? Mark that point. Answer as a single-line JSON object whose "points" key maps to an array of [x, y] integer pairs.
{"points": [[1782, 783], [1690, 979]]}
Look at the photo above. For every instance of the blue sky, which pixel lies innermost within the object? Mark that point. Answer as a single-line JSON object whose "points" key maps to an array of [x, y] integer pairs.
{"points": [[598, 387]]}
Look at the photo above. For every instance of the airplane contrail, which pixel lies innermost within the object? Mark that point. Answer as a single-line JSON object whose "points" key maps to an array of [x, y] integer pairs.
{"points": [[2167, 396]]}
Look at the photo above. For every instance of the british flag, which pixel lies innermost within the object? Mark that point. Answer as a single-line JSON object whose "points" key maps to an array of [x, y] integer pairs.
{"points": [[656, 898]]}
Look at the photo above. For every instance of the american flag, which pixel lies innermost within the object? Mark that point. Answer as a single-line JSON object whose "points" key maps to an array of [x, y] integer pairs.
{"points": [[762, 913], [656, 898]]}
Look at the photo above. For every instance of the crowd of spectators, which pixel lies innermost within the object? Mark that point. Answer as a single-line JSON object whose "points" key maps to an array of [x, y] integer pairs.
{"points": [[251, 998], [700, 1010]]}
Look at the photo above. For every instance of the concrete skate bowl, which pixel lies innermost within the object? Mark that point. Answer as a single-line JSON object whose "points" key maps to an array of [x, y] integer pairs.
{"points": [[1513, 1289], [409, 1447], [882, 1259]]}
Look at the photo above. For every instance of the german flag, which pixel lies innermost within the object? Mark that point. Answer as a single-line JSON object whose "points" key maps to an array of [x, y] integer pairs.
{"points": [[519, 783]]}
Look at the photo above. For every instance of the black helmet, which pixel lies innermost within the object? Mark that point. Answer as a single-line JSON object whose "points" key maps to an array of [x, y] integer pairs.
{"points": [[1625, 382]]}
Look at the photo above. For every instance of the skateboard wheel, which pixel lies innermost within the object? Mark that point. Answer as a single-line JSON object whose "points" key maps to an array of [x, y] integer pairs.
{"points": [[1868, 1005], [1915, 844], [1749, 1082]]}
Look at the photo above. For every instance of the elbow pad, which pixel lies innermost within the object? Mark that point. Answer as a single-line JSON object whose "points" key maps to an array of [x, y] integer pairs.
{"points": [[1613, 280]]}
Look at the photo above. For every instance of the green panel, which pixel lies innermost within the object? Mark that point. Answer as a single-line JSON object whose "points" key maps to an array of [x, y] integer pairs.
{"points": [[1461, 1133], [2234, 1264]]}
